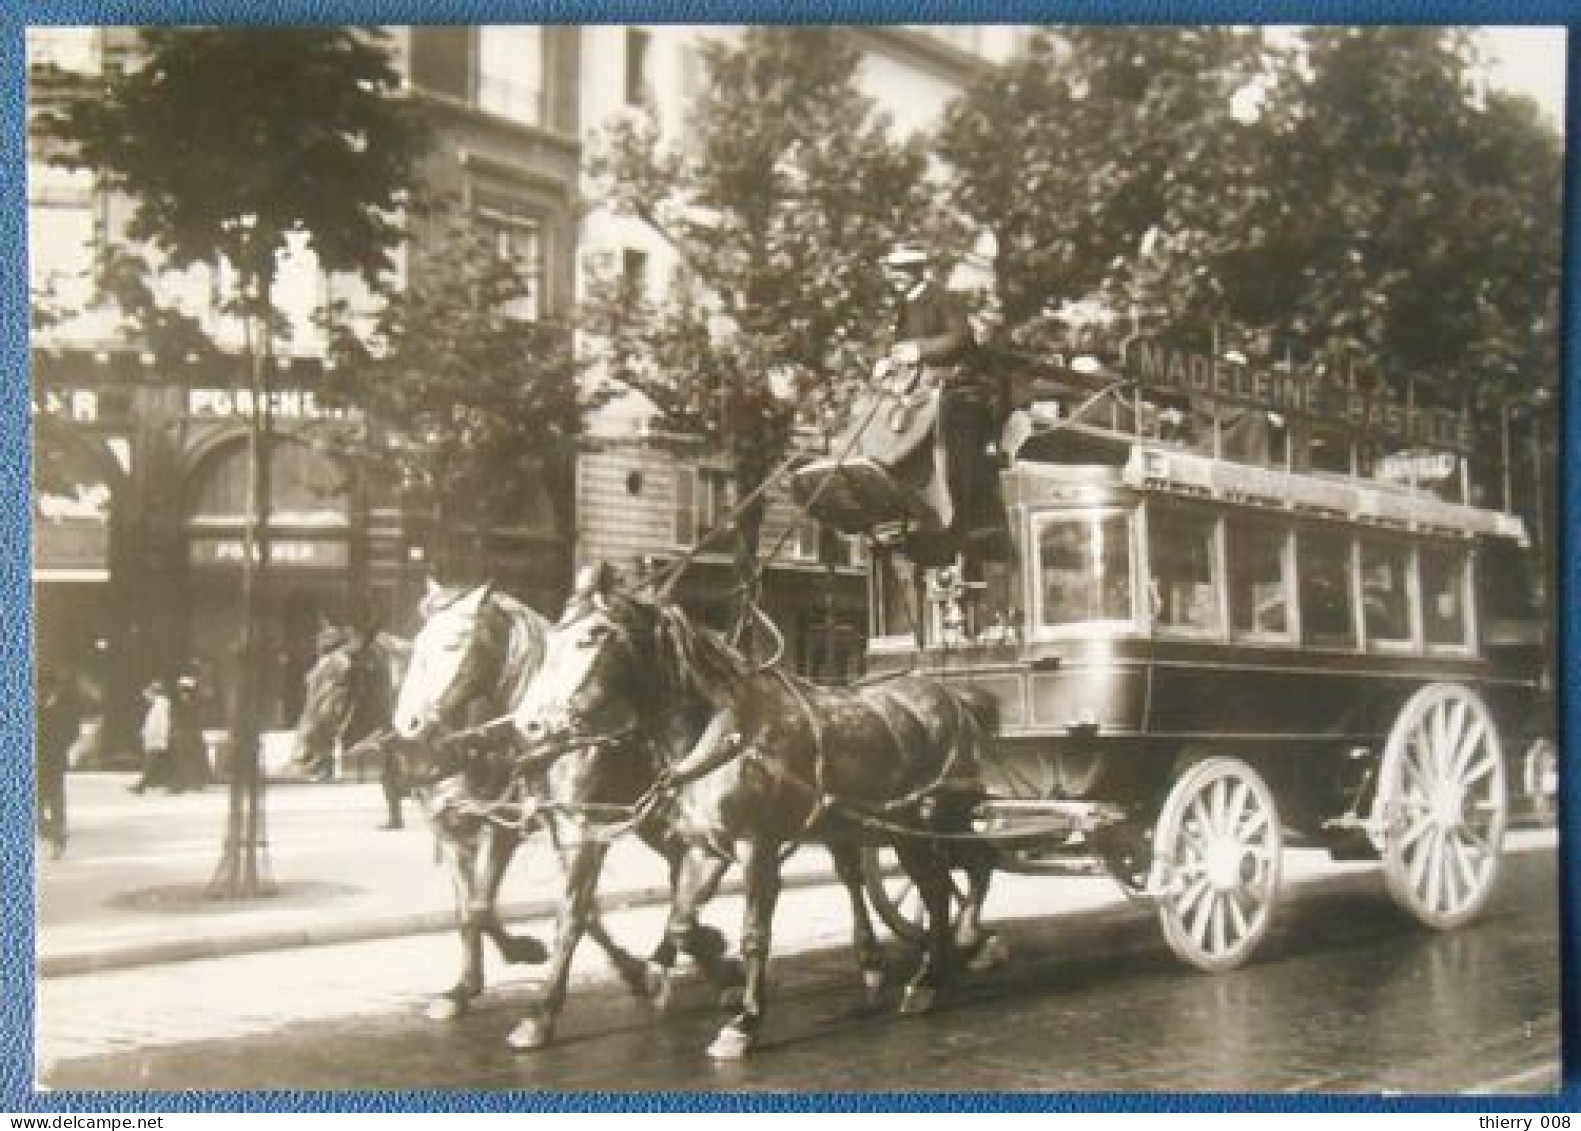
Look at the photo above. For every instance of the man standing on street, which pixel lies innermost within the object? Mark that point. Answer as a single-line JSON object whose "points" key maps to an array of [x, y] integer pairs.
{"points": [[58, 721]]}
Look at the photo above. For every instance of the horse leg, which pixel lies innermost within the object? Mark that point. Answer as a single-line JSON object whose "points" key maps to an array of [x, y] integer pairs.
{"points": [[496, 852], [847, 857], [576, 905], [694, 878], [923, 864], [633, 971], [984, 950], [459, 856], [761, 868]]}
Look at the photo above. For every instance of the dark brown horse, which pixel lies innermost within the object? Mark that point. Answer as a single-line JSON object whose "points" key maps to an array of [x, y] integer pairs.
{"points": [[349, 697], [782, 761], [477, 652]]}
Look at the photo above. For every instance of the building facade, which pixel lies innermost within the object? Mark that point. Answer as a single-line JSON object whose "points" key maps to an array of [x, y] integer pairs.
{"points": [[140, 462], [644, 498]]}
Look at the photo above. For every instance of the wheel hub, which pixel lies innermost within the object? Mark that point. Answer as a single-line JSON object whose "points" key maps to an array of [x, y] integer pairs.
{"points": [[1228, 864], [1446, 810]]}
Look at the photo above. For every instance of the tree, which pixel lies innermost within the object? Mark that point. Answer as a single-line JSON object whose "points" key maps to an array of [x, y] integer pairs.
{"points": [[1412, 217], [1094, 145], [231, 142], [470, 401], [1354, 192], [780, 217]]}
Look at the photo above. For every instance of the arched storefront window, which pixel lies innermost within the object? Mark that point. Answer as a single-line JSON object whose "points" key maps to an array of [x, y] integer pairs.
{"points": [[306, 488], [306, 583]]}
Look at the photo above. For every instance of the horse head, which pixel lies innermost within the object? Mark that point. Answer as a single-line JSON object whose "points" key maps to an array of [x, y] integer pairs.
{"points": [[348, 693], [455, 660], [617, 664]]}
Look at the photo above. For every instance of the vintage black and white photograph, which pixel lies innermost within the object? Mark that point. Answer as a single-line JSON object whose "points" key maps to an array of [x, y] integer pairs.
{"points": [[796, 558]]}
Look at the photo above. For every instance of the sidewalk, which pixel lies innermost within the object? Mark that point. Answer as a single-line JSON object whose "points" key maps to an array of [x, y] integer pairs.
{"points": [[128, 891]]}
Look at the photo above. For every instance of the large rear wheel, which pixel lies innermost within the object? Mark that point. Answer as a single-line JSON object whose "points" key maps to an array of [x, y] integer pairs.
{"points": [[1216, 863], [1442, 805]]}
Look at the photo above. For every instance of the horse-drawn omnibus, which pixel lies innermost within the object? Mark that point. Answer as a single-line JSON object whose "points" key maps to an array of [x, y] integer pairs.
{"points": [[1223, 612]]}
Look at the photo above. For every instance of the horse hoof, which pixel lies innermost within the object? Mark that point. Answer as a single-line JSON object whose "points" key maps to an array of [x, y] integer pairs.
{"points": [[872, 986], [531, 1033], [917, 1000], [991, 954], [730, 1044], [659, 986], [446, 1008]]}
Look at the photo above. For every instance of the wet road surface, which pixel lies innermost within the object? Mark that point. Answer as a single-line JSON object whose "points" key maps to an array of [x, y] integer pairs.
{"points": [[1346, 995]]}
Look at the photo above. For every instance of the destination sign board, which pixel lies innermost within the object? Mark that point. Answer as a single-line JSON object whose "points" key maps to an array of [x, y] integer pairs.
{"points": [[1325, 397]]}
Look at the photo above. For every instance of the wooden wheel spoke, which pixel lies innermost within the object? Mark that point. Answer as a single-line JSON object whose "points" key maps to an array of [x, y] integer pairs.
{"points": [[1192, 895], [1465, 867], [1242, 923], [1436, 873], [1479, 771], [1471, 740], [1414, 833], [1256, 822], [1202, 918]]}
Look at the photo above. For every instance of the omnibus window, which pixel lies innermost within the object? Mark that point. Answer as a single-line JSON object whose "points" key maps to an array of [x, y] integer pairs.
{"points": [[1183, 564], [1327, 613], [1444, 596], [1256, 558], [1385, 593], [896, 610], [1085, 564]]}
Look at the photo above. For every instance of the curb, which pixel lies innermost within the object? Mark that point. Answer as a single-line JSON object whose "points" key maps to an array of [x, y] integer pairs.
{"points": [[368, 929]]}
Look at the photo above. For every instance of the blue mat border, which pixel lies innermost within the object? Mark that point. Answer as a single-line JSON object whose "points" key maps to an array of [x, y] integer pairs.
{"points": [[16, 846]]}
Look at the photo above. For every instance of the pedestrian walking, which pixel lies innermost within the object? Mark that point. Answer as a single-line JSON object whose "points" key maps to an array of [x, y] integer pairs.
{"points": [[189, 758], [58, 719], [157, 768]]}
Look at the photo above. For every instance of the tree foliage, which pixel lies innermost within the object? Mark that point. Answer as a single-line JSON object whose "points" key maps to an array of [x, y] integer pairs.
{"points": [[471, 404], [780, 214], [1092, 138], [294, 129], [1352, 191], [230, 143]]}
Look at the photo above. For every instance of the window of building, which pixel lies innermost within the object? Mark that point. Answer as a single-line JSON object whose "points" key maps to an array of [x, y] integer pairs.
{"points": [[893, 601], [703, 498], [1327, 605], [1386, 592], [1084, 564], [1183, 559], [510, 76], [306, 488], [633, 274], [517, 234], [638, 42], [1257, 561], [1444, 620]]}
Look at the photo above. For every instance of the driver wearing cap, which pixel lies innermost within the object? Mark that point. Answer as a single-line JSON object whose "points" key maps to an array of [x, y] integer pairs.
{"points": [[931, 327]]}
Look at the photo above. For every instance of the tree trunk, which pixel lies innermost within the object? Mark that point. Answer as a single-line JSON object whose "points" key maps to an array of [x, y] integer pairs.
{"points": [[243, 871]]}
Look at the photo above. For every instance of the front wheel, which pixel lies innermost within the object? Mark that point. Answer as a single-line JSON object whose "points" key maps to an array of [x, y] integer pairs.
{"points": [[1442, 805], [1217, 849], [896, 899]]}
